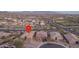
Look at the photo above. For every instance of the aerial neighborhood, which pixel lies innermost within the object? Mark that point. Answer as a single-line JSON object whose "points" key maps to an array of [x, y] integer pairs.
{"points": [[62, 29]]}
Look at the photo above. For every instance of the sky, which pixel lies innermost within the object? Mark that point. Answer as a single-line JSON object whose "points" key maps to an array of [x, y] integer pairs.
{"points": [[39, 5]]}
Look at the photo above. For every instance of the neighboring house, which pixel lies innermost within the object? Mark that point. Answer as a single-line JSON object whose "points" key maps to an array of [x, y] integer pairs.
{"points": [[56, 36], [71, 38], [41, 36], [28, 36]]}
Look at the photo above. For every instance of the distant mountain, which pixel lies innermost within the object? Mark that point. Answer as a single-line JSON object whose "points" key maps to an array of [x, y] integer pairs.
{"points": [[68, 12], [42, 12], [49, 12], [39, 12]]}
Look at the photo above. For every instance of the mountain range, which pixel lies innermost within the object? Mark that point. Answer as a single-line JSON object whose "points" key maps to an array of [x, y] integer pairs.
{"points": [[42, 12]]}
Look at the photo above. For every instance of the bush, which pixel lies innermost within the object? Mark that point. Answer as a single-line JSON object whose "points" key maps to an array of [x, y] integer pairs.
{"points": [[18, 43]]}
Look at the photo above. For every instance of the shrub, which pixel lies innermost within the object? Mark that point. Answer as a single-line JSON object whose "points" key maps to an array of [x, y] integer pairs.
{"points": [[18, 43]]}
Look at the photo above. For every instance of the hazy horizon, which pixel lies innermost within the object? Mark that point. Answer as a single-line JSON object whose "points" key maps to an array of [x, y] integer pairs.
{"points": [[51, 12]]}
